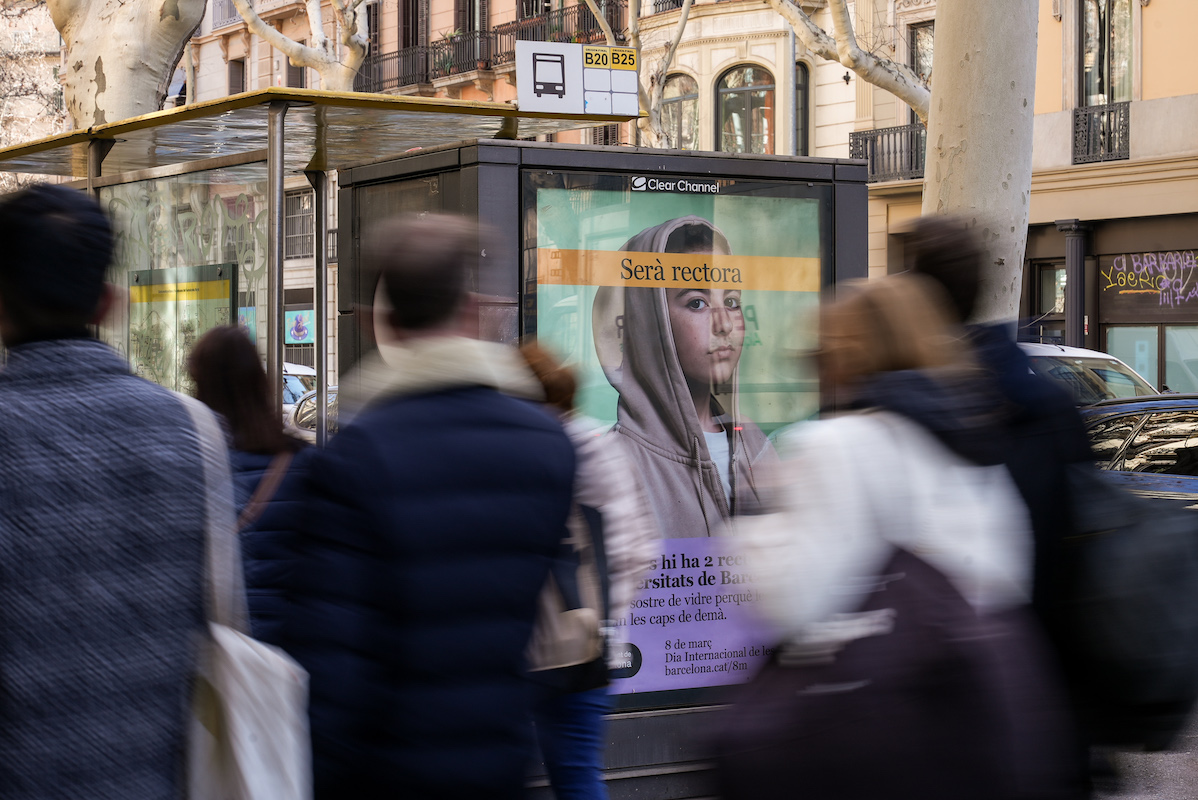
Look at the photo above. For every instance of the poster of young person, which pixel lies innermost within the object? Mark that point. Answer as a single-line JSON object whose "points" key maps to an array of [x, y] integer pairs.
{"points": [[684, 307]]}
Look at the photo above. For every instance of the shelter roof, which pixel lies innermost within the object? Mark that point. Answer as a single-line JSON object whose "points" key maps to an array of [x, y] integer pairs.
{"points": [[324, 130]]}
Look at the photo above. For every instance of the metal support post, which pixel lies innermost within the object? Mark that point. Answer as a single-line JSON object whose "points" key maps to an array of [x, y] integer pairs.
{"points": [[1075, 280], [97, 151], [320, 187], [274, 254]]}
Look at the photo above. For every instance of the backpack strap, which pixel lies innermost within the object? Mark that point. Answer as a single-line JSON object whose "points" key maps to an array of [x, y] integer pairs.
{"points": [[267, 486], [225, 600]]}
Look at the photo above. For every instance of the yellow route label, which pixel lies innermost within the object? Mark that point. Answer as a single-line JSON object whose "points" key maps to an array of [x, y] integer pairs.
{"points": [[609, 58]]}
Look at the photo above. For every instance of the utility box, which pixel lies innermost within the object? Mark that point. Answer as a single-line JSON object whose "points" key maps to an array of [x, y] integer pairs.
{"points": [[682, 289]]}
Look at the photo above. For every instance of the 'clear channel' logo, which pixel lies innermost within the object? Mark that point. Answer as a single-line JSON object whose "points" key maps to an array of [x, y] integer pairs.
{"points": [[641, 183]]}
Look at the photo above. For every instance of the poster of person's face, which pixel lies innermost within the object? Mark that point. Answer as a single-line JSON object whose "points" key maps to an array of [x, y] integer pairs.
{"points": [[683, 305]]}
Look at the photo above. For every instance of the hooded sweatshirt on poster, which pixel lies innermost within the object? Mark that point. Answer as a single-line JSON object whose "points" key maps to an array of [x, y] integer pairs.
{"points": [[656, 416]]}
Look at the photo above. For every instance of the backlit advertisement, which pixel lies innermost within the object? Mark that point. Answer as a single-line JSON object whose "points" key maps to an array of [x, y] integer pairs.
{"points": [[684, 305], [169, 310]]}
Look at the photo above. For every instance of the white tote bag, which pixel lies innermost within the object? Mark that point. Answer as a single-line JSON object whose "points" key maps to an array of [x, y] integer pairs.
{"points": [[248, 738]]}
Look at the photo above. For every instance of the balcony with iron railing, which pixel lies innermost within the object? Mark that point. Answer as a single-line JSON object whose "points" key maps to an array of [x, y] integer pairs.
{"points": [[892, 154], [383, 71], [224, 14], [461, 52], [1102, 133], [464, 52], [572, 24]]}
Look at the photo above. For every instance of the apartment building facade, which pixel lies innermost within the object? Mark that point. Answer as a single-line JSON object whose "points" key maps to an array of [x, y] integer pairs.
{"points": [[31, 105], [1114, 201]]}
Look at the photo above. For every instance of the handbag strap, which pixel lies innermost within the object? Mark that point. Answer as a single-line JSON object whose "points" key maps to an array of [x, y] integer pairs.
{"points": [[267, 486], [224, 582]]}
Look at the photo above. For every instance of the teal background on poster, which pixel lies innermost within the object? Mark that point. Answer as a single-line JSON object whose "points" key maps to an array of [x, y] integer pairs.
{"points": [[777, 386]]}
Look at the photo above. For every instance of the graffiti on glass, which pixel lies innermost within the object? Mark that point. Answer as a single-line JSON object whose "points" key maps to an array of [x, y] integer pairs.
{"points": [[1172, 276]]}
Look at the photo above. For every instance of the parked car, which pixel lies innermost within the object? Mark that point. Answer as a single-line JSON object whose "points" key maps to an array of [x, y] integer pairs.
{"points": [[1150, 443], [302, 421], [297, 380], [1089, 375]]}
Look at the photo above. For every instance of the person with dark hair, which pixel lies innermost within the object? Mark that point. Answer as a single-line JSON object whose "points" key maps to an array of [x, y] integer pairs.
{"points": [[425, 538], [672, 354], [1043, 433], [592, 583], [268, 467], [102, 526]]}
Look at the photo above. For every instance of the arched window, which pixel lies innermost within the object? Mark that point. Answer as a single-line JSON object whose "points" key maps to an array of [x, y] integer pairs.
{"points": [[802, 108], [745, 111], [680, 112]]}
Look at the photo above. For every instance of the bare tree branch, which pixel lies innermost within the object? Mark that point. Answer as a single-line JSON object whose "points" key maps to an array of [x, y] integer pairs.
{"points": [[604, 25], [898, 79], [336, 72]]}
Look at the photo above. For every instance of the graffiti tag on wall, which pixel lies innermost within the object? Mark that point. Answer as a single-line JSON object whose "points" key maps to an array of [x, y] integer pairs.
{"points": [[1172, 276]]}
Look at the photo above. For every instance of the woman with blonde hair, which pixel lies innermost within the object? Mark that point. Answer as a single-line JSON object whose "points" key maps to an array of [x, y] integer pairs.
{"points": [[896, 569]]}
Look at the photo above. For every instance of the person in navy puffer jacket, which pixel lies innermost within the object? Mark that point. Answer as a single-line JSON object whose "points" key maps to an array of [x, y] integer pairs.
{"points": [[427, 531], [230, 380]]}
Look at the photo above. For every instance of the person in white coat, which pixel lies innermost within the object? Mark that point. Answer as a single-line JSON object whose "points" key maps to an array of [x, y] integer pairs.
{"points": [[897, 537]]}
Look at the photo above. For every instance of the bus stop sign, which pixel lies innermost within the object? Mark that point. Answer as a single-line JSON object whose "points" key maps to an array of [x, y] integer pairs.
{"points": [[576, 79]]}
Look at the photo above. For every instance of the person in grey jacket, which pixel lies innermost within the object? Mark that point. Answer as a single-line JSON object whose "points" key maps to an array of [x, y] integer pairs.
{"points": [[102, 515]]}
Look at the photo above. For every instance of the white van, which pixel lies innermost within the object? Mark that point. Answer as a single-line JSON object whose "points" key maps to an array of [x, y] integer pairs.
{"points": [[298, 380], [1089, 375]]}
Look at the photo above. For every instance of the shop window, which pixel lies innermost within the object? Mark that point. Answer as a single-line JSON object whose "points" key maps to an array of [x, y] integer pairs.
{"points": [[802, 109], [1181, 358], [299, 224], [1136, 346], [1052, 290], [745, 110], [1106, 61], [680, 112]]}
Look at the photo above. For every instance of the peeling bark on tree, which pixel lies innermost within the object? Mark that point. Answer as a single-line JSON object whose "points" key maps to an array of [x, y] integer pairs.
{"points": [[979, 155], [121, 54], [337, 70]]}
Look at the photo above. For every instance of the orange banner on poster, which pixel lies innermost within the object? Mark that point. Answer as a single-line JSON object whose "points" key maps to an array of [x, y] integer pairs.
{"points": [[676, 270]]}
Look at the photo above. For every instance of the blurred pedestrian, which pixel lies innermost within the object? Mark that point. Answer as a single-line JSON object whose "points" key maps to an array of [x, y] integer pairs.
{"points": [[425, 539], [102, 526], [268, 468], [592, 582], [898, 570]]}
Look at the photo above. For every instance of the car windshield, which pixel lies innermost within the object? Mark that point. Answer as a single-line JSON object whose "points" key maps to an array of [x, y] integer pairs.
{"points": [[1092, 379], [296, 386]]}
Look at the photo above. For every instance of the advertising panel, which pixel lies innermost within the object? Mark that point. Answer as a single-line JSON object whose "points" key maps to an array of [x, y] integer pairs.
{"points": [[300, 327], [169, 309], [684, 305]]}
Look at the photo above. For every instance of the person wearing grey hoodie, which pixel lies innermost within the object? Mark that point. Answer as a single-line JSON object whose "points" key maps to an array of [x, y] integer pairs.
{"points": [[676, 374]]}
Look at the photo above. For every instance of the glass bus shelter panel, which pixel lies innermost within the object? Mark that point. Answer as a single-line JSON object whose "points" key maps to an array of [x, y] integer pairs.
{"points": [[210, 219]]}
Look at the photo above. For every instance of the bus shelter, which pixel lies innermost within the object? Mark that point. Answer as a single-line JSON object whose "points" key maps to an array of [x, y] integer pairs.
{"points": [[196, 195]]}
